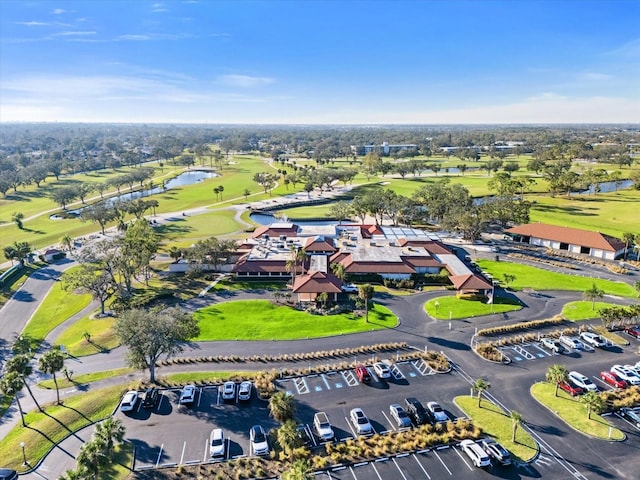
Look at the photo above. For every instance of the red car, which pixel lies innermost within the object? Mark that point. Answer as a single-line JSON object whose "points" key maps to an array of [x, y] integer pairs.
{"points": [[613, 380], [363, 374], [633, 331], [571, 388]]}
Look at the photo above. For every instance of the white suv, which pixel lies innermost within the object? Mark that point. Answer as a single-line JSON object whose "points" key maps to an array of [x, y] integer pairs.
{"points": [[475, 452], [593, 339], [361, 422], [582, 381], [625, 374], [571, 342]]}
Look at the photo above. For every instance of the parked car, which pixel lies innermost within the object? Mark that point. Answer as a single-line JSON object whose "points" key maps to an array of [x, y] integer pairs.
{"points": [[625, 374], [416, 411], [633, 368], [217, 443], [400, 415], [8, 474], [593, 339], [582, 381], [475, 453], [631, 414], [360, 422], [363, 374], [188, 395], [129, 401], [634, 331], [244, 391], [552, 344], [150, 397], [613, 379], [382, 370], [228, 391], [437, 413], [323, 426], [349, 288], [258, 439], [304, 435], [571, 342], [496, 451], [570, 388]]}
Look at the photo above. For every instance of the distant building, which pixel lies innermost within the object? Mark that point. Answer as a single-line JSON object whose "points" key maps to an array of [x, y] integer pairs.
{"points": [[573, 240], [384, 148]]}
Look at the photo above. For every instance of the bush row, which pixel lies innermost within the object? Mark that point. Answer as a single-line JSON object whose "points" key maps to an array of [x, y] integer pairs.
{"points": [[489, 351], [616, 399], [534, 258], [515, 327]]}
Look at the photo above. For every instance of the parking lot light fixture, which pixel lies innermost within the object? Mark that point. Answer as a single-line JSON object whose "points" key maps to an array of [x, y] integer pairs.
{"points": [[24, 455]]}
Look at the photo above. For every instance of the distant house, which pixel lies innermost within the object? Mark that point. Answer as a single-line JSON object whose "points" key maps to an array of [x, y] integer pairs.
{"points": [[573, 240], [53, 254], [308, 287]]}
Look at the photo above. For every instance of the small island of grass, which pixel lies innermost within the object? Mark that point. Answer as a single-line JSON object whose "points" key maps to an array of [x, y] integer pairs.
{"points": [[454, 308]]}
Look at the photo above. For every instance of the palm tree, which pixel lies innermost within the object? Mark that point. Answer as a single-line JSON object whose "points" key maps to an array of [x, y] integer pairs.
{"points": [[110, 432], [480, 385], [282, 406], [92, 458], [175, 253], [593, 401], [216, 190], [20, 364], [557, 374], [79, 474], [593, 294], [627, 237], [338, 270], [246, 193], [10, 386], [52, 362], [67, 242], [288, 437], [299, 470], [365, 293], [323, 298], [220, 190], [516, 418]]}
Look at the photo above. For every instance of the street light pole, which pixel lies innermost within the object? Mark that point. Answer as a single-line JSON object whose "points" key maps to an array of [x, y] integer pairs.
{"points": [[24, 456]]}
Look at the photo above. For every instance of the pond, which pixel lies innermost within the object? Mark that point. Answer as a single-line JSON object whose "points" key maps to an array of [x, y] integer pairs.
{"points": [[187, 178], [266, 219]]}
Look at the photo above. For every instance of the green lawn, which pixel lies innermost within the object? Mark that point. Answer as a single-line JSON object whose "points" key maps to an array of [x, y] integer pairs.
{"points": [[573, 412], [262, 320], [57, 307], [119, 468], [452, 307], [240, 285], [83, 379], [493, 421], [539, 279], [582, 310], [102, 336], [52, 426]]}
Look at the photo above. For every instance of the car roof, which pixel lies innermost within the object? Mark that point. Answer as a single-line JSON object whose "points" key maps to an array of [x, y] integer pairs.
{"points": [[217, 433]]}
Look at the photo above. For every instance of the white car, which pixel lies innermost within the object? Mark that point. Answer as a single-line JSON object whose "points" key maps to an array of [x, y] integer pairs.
{"points": [[360, 422], [129, 401], [593, 339], [571, 342], [244, 391], [400, 415], [625, 374], [258, 439], [382, 370], [437, 412], [188, 395], [633, 369], [217, 443], [582, 381], [475, 453], [228, 391], [349, 288]]}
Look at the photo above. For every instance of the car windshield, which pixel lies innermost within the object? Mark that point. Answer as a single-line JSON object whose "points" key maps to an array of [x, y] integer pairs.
{"points": [[216, 442], [436, 407], [258, 436]]}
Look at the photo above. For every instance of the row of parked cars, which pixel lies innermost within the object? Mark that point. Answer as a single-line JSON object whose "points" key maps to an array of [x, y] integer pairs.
{"points": [[567, 343], [620, 376]]}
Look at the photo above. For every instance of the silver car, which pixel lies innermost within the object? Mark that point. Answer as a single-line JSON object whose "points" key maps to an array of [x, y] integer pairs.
{"points": [[360, 422], [400, 415]]}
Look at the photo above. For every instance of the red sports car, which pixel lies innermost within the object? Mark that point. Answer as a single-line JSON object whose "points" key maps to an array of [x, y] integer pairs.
{"points": [[633, 331], [571, 388], [613, 380]]}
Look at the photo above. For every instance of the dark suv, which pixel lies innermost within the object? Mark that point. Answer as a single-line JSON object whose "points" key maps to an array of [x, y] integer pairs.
{"points": [[150, 398], [418, 414]]}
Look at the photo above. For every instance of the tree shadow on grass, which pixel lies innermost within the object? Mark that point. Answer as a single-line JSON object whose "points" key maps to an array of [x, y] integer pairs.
{"points": [[50, 440]]}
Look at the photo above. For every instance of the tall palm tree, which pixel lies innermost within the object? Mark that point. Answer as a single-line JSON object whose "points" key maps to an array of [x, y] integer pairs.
{"points": [[79, 474], [110, 432], [282, 406], [52, 362], [628, 238], [338, 270], [593, 401], [10, 386], [557, 374], [21, 365], [288, 437], [365, 293], [67, 242], [480, 385], [516, 418], [592, 294], [92, 458]]}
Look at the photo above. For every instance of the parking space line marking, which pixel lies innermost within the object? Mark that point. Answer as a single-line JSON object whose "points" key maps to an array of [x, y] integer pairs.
{"points": [[395, 371], [206, 448], [399, 469], [353, 474], [443, 464], [139, 407], [421, 467], [376, 470], [326, 382], [159, 455], [462, 458], [389, 421], [311, 435], [218, 398], [542, 350], [199, 396], [351, 427], [184, 445], [350, 378]]}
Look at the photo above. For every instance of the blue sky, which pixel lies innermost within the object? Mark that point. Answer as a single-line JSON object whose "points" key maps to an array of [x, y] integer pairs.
{"points": [[320, 62]]}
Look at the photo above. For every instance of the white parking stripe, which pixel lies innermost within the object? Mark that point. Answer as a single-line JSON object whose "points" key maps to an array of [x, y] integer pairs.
{"points": [[206, 451], [353, 473], [350, 427], [443, 464], [199, 396], [373, 465], [399, 469], [420, 465], [159, 455], [463, 459], [326, 382], [389, 421], [184, 445]]}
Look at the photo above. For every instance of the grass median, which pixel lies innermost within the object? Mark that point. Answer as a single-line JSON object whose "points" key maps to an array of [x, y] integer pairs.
{"points": [[495, 422], [84, 379], [101, 339], [581, 310], [454, 308], [47, 429], [574, 413], [262, 320]]}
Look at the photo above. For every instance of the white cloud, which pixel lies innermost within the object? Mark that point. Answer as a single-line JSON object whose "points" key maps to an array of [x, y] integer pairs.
{"points": [[159, 8], [134, 37], [57, 11], [244, 81], [630, 49], [73, 33], [596, 76], [32, 23]]}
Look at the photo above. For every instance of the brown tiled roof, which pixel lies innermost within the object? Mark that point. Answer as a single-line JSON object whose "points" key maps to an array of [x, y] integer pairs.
{"points": [[275, 232], [317, 282], [430, 246], [338, 257], [422, 261], [573, 236], [469, 282], [319, 244]]}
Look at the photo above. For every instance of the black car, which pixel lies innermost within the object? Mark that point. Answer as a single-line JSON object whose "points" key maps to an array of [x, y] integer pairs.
{"points": [[150, 398], [632, 415], [416, 411], [7, 474], [496, 451]]}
